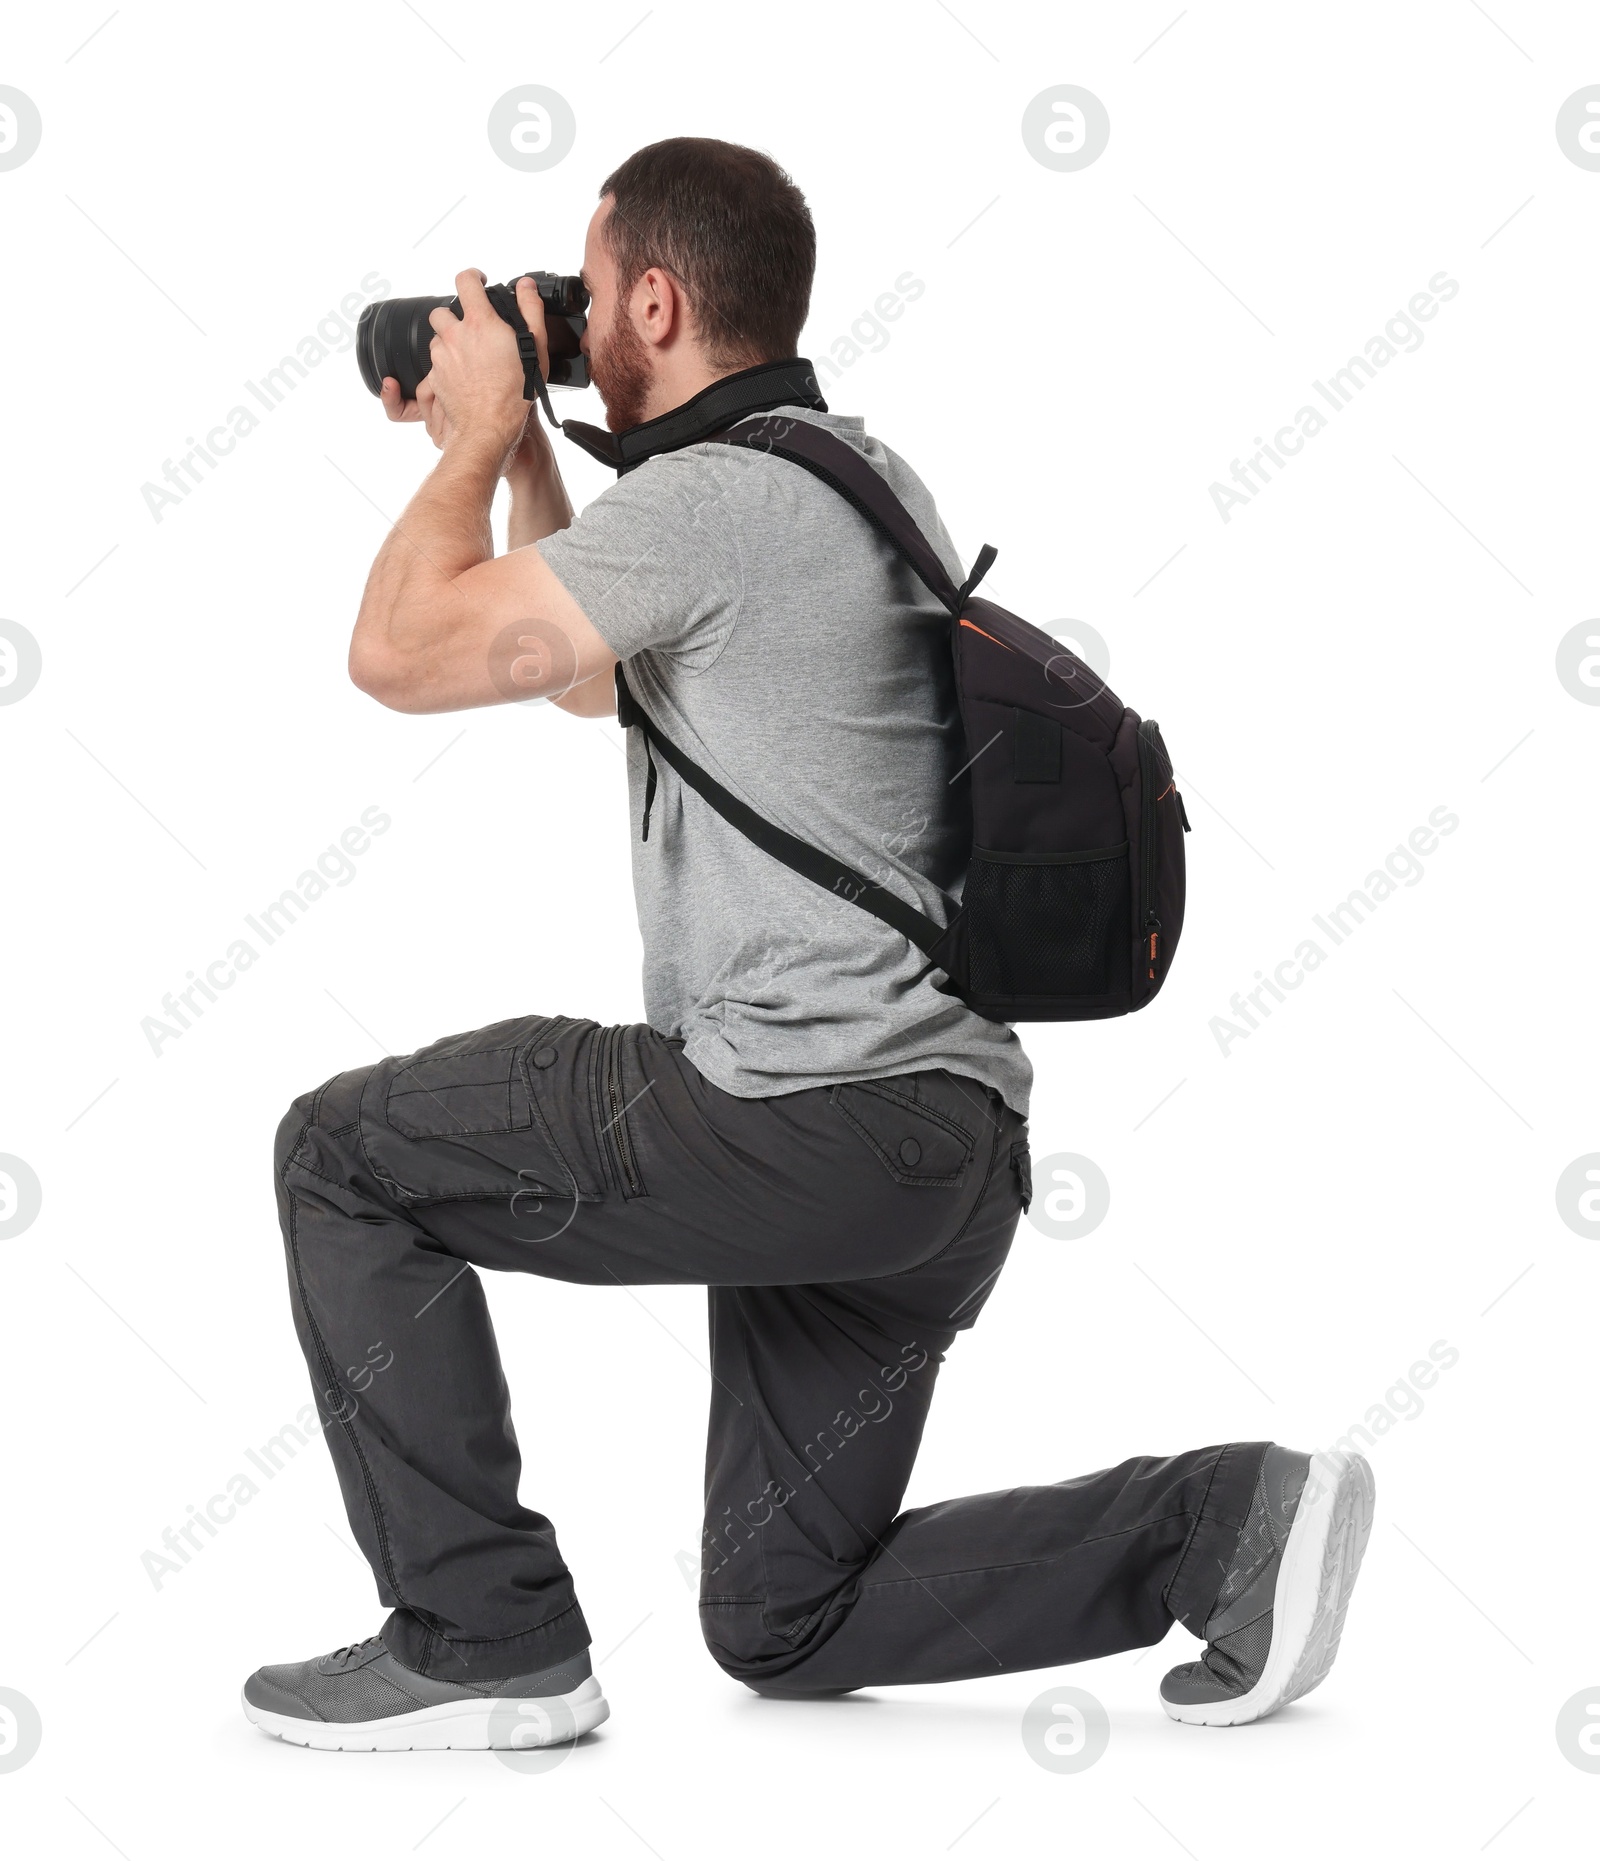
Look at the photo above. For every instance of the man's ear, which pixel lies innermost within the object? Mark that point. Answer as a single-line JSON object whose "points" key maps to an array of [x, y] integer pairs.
{"points": [[657, 306]]}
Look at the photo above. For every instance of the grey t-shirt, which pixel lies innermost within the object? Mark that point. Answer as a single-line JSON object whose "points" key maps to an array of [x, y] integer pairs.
{"points": [[777, 640]]}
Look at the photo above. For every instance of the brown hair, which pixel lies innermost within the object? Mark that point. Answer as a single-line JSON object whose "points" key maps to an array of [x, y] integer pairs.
{"points": [[732, 228]]}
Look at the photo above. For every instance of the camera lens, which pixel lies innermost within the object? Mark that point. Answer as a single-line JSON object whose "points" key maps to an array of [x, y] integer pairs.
{"points": [[392, 338], [393, 335]]}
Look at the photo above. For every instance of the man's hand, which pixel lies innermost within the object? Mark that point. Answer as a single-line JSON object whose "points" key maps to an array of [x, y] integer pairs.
{"points": [[472, 394], [443, 620]]}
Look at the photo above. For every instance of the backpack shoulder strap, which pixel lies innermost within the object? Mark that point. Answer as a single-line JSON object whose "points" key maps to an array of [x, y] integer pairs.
{"points": [[809, 861], [858, 482], [861, 485]]}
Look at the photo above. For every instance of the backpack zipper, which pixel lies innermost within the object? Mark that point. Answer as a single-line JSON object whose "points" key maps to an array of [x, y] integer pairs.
{"points": [[1150, 924]]}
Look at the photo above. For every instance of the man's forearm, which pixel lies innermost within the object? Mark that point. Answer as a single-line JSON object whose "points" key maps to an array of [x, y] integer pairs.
{"points": [[445, 624], [441, 612], [443, 532], [446, 530], [539, 502]]}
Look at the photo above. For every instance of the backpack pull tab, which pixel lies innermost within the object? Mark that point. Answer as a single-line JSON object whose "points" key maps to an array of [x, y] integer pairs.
{"points": [[649, 788], [629, 715], [980, 568]]}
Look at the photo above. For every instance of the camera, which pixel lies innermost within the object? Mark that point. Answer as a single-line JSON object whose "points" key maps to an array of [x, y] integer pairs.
{"points": [[393, 334]]}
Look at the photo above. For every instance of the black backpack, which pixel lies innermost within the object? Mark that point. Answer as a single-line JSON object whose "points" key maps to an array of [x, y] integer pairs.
{"points": [[1073, 900]]}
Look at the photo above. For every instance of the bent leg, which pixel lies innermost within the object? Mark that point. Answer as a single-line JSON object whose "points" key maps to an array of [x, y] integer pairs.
{"points": [[814, 1582], [588, 1154], [415, 1410]]}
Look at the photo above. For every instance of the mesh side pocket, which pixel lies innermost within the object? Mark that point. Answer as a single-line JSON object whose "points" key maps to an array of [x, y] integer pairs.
{"points": [[1047, 930]]}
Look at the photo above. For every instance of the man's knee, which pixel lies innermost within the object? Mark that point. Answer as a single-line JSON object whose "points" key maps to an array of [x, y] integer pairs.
{"points": [[746, 1647], [737, 1637], [748, 1631], [318, 1121], [296, 1121]]}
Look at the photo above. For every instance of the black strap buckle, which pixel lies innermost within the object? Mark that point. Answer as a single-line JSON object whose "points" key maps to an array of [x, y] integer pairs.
{"points": [[533, 388]]}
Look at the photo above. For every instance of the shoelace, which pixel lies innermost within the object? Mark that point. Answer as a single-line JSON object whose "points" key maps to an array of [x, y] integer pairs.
{"points": [[342, 1655]]}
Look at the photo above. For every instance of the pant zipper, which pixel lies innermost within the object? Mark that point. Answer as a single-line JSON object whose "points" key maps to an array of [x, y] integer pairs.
{"points": [[616, 1108]]}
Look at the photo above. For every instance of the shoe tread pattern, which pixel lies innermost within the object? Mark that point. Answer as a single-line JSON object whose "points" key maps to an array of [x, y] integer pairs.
{"points": [[1347, 1540]]}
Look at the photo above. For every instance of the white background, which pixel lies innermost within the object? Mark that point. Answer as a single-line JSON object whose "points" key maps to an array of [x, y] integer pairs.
{"points": [[1370, 638]]}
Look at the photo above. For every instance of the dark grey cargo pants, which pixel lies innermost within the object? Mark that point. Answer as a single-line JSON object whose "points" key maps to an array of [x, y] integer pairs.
{"points": [[845, 1234]]}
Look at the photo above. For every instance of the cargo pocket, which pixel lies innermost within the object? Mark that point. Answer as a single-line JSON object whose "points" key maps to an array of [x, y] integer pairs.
{"points": [[465, 1117], [459, 1095], [914, 1142]]}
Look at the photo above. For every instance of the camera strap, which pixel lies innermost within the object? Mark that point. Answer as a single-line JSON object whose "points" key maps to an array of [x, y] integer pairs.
{"points": [[533, 388], [759, 390]]}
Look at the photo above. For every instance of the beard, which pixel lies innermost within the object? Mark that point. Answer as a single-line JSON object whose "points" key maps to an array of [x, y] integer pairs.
{"points": [[619, 366]]}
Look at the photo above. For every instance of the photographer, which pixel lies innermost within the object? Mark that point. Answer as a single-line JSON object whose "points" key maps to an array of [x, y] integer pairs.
{"points": [[806, 1123]]}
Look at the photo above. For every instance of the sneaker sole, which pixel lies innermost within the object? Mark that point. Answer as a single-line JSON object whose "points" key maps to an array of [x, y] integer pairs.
{"points": [[457, 1725], [1320, 1562]]}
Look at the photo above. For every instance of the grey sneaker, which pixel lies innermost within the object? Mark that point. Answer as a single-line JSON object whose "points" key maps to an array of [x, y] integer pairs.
{"points": [[1274, 1628], [361, 1699]]}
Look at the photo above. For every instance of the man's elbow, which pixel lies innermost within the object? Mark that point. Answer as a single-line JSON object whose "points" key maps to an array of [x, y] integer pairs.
{"points": [[381, 674]]}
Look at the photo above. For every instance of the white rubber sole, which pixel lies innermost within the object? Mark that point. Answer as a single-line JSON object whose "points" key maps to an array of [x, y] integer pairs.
{"points": [[1320, 1561], [458, 1725]]}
